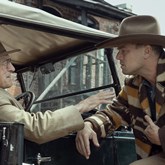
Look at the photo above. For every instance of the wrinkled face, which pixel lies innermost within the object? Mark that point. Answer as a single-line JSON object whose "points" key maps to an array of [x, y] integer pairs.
{"points": [[6, 70], [131, 58]]}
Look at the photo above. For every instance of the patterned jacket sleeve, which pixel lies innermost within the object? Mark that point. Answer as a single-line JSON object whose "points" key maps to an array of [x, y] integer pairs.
{"points": [[106, 121]]}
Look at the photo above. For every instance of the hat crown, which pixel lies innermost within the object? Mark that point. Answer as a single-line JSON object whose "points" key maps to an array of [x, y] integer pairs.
{"points": [[139, 25], [143, 29]]}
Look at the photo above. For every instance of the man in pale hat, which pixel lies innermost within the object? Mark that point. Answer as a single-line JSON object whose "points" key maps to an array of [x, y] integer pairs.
{"points": [[141, 102], [41, 127]]}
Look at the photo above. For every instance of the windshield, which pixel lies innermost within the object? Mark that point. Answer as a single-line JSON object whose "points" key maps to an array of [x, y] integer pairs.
{"points": [[66, 82]]}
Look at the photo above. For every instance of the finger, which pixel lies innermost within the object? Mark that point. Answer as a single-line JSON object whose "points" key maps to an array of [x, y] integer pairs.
{"points": [[79, 142], [78, 147], [105, 99], [95, 140], [101, 96], [106, 95], [104, 102], [86, 147], [149, 121], [109, 97], [83, 144]]}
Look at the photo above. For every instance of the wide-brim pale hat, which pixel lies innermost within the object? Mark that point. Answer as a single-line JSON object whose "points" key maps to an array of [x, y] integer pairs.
{"points": [[141, 29], [3, 51]]}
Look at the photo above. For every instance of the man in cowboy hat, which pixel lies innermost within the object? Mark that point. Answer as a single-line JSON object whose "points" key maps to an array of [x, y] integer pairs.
{"points": [[141, 102], [40, 127]]}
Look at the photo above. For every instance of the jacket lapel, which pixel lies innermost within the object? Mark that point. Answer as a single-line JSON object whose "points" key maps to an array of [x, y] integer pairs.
{"points": [[144, 99], [160, 86], [159, 91]]}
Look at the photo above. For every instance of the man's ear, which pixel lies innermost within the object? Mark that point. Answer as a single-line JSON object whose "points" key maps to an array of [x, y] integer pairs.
{"points": [[147, 51]]}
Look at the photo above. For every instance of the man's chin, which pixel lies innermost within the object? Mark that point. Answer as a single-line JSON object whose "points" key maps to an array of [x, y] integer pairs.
{"points": [[8, 85], [126, 73]]}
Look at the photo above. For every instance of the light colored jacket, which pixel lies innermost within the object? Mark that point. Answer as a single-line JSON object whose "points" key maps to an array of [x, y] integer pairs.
{"points": [[40, 127], [130, 107]]}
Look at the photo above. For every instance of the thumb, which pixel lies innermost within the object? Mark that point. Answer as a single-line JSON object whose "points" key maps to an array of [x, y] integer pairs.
{"points": [[149, 120]]}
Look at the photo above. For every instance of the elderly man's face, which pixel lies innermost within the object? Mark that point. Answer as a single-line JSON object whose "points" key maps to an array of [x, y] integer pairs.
{"points": [[6, 70]]}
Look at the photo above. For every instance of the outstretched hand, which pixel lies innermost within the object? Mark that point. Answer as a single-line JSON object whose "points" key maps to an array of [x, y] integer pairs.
{"points": [[103, 97], [152, 131]]}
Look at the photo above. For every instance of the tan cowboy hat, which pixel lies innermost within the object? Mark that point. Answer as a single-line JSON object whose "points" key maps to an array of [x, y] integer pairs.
{"points": [[3, 51], [141, 29]]}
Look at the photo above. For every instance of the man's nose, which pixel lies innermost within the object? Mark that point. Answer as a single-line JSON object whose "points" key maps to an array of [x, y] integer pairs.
{"points": [[119, 56], [11, 67]]}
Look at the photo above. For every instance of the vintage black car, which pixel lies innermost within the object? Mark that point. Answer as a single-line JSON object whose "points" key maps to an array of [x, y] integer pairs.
{"points": [[58, 65]]}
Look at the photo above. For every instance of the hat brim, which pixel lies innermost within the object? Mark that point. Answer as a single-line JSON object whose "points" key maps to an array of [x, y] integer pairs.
{"points": [[135, 39], [9, 52]]}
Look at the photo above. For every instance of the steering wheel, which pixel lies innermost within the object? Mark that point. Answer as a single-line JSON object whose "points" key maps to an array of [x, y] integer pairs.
{"points": [[27, 99]]}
